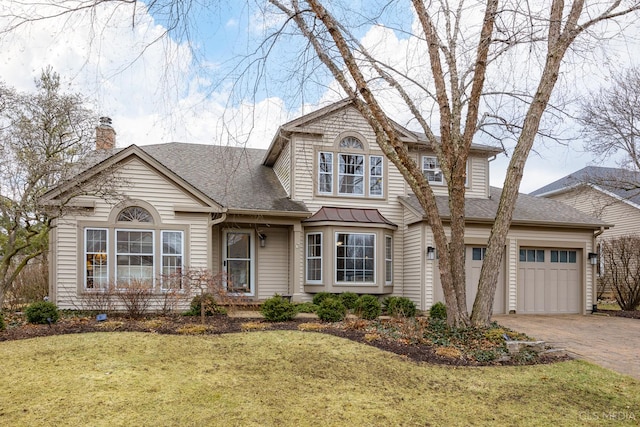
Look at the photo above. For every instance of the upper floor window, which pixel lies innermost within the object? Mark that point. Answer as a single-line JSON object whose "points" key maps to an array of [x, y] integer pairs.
{"points": [[431, 170], [351, 142], [355, 174]]}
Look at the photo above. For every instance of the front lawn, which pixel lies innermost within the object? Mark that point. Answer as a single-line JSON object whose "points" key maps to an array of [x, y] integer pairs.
{"points": [[287, 378]]}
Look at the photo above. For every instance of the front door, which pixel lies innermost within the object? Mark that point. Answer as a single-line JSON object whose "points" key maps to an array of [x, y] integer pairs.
{"points": [[238, 261]]}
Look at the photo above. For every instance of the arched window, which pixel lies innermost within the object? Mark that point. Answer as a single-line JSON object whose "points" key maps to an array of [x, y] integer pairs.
{"points": [[351, 142], [135, 214]]}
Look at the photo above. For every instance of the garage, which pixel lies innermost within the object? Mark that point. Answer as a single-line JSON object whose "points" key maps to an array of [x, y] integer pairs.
{"points": [[549, 281], [474, 256]]}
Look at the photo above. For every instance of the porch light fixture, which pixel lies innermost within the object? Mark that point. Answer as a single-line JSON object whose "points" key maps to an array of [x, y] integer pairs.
{"points": [[593, 258], [263, 240], [431, 253]]}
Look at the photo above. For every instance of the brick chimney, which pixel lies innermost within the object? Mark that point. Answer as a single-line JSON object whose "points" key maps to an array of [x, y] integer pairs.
{"points": [[105, 135]]}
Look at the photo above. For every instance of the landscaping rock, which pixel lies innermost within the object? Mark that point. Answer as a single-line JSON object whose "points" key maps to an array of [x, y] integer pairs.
{"points": [[515, 347]]}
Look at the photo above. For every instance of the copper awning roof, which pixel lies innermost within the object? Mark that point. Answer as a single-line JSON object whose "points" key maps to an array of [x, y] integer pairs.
{"points": [[361, 216]]}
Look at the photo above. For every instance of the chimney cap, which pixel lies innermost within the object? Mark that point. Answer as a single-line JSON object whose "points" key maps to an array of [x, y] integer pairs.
{"points": [[105, 121]]}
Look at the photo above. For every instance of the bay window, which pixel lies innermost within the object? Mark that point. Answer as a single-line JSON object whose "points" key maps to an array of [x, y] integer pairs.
{"points": [[355, 257], [314, 258]]}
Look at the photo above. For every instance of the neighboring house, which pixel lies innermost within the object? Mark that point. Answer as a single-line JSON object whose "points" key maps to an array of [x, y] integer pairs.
{"points": [[610, 194], [321, 209]]}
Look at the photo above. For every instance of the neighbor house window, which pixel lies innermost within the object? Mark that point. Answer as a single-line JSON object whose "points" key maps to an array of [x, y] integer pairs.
{"points": [[388, 259], [325, 173], [314, 258], [431, 170], [97, 262], [355, 257], [564, 257], [477, 254], [351, 174], [172, 259], [134, 257], [375, 176]]}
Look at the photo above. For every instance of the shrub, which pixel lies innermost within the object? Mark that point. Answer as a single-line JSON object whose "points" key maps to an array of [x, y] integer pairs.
{"points": [[321, 296], [306, 307], [438, 311], [42, 312], [278, 309], [211, 306], [368, 307], [331, 310], [349, 299], [3, 326], [400, 307]]}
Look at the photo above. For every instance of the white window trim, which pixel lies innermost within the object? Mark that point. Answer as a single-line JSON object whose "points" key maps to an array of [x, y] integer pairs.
{"points": [[375, 263], [363, 176], [307, 258], [329, 174], [162, 255], [153, 252], [388, 240], [381, 176], [86, 252]]}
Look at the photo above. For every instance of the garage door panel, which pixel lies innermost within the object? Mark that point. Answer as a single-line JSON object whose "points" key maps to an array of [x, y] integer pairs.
{"points": [[549, 283]]}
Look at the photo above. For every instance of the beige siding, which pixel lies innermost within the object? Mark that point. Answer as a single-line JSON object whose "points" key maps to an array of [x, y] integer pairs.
{"points": [[413, 266], [624, 217], [282, 168], [142, 184], [273, 265]]}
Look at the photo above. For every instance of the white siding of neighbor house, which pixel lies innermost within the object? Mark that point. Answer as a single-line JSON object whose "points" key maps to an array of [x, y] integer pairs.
{"points": [[282, 168], [624, 217], [273, 264], [142, 184]]}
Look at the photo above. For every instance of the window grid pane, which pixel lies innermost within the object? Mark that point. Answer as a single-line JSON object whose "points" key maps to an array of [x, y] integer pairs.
{"points": [[351, 174], [96, 258], [172, 249], [355, 257], [134, 256], [325, 173], [314, 257], [431, 170], [388, 259], [375, 176]]}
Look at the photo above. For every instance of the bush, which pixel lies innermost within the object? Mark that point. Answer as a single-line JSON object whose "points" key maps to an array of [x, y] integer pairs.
{"points": [[349, 299], [42, 312], [331, 310], [306, 307], [210, 303], [321, 296], [368, 307], [400, 307], [278, 309], [438, 311], [3, 326]]}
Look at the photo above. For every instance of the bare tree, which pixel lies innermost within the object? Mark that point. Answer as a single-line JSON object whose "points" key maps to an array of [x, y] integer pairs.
{"points": [[611, 119], [43, 138], [622, 270], [447, 92]]}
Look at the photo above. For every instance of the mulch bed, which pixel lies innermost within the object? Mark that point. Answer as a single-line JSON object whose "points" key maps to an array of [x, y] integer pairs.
{"points": [[417, 352], [619, 313]]}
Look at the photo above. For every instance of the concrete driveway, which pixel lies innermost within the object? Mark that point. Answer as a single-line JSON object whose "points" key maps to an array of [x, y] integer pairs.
{"points": [[611, 342]]}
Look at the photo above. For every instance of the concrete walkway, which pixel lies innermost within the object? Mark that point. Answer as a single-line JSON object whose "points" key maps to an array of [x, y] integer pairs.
{"points": [[611, 342]]}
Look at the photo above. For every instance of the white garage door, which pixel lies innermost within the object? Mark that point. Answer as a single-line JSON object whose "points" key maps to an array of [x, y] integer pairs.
{"points": [[474, 256], [549, 281]]}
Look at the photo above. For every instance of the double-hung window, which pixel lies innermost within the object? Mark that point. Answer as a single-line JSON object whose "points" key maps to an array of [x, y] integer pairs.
{"points": [[314, 258], [375, 176], [325, 173], [172, 259], [134, 256], [351, 174], [431, 170], [388, 260], [96, 258]]}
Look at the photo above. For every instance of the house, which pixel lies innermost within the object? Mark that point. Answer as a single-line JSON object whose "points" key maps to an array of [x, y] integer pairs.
{"points": [[611, 194], [321, 209]]}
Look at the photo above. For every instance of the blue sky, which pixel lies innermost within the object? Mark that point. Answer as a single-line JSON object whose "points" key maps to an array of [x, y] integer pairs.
{"points": [[167, 94]]}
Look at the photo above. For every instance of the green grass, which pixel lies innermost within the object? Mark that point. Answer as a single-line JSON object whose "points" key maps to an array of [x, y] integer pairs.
{"points": [[287, 378]]}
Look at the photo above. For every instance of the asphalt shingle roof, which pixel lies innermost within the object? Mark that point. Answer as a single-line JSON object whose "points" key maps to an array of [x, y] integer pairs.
{"points": [[528, 210], [622, 183]]}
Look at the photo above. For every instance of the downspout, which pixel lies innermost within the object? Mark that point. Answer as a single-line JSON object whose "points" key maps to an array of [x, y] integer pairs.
{"points": [[594, 291]]}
